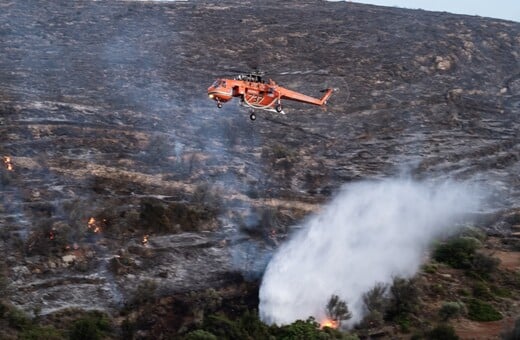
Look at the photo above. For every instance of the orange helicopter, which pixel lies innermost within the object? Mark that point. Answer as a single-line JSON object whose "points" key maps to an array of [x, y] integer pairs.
{"points": [[256, 93]]}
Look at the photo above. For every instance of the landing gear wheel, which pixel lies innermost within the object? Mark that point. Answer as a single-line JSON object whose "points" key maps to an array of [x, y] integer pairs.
{"points": [[278, 108], [219, 105], [252, 116]]}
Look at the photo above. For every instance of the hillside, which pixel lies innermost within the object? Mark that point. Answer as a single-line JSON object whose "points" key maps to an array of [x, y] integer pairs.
{"points": [[119, 175]]}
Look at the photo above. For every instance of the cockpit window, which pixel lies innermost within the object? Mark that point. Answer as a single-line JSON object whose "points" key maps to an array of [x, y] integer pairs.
{"points": [[216, 83]]}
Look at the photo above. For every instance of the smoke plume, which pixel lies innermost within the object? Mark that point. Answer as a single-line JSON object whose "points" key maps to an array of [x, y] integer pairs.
{"points": [[370, 233]]}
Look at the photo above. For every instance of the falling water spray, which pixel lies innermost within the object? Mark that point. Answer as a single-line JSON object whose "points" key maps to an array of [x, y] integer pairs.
{"points": [[371, 232]]}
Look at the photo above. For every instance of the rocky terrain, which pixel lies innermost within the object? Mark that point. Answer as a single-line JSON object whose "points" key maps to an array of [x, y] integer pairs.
{"points": [[117, 171]]}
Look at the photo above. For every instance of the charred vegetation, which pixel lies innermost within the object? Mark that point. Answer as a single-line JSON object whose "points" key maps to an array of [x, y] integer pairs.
{"points": [[123, 189]]}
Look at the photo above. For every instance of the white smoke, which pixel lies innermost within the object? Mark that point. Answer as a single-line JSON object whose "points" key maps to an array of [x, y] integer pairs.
{"points": [[371, 232]]}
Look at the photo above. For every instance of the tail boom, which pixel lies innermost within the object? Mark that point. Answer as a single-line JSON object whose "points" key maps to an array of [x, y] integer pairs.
{"points": [[299, 97]]}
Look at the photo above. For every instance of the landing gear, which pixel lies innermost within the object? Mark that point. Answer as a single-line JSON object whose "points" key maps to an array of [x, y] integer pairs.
{"points": [[252, 116], [219, 105], [279, 108]]}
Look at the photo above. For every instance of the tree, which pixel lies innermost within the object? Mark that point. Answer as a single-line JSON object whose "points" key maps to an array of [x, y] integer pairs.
{"points": [[337, 309], [376, 303], [375, 299], [404, 297]]}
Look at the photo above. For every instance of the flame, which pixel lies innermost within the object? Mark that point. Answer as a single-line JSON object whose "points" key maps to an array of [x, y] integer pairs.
{"points": [[145, 239], [329, 323], [51, 235], [94, 225], [8, 163]]}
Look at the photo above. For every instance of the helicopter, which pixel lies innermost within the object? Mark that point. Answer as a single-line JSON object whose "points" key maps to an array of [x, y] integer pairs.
{"points": [[256, 93]]}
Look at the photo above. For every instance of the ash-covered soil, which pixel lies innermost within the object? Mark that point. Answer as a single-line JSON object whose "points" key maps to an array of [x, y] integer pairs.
{"points": [[118, 170]]}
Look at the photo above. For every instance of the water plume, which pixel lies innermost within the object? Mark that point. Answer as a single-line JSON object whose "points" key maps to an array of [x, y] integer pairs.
{"points": [[370, 232]]}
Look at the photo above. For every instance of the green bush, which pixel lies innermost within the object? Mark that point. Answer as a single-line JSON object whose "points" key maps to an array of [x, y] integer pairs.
{"points": [[481, 291], [162, 217], [308, 329], [451, 309], [442, 332], [376, 303], [41, 333], [501, 291], [484, 264], [18, 319], [253, 326], [92, 326], [144, 293], [479, 310], [200, 334], [404, 298], [474, 232], [375, 299], [153, 215], [457, 252], [429, 268], [223, 328]]}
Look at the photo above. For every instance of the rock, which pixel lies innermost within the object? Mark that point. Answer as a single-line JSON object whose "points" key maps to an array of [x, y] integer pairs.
{"points": [[443, 63], [18, 272], [68, 259]]}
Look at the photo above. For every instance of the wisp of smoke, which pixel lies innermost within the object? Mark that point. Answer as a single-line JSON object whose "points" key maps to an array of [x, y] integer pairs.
{"points": [[370, 233]]}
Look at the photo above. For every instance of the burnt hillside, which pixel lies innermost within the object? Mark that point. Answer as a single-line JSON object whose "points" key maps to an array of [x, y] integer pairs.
{"points": [[118, 170]]}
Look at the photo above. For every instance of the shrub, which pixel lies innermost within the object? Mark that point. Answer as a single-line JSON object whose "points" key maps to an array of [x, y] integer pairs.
{"points": [[474, 232], [429, 268], [153, 214], [501, 291], [484, 264], [481, 291], [479, 310], [200, 334], [300, 329], [451, 309], [375, 300], [206, 196], [144, 293], [163, 217], [457, 252], [223, 328], [128, 329], [18, 319], [39, 333], [442, 332], [404, 323], [202, 302], [404, 297], [253, 326], [92, 326], [373, 319]]}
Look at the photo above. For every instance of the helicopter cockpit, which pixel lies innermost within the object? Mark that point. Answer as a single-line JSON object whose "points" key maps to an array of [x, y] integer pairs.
{"points": [[256, 78]]}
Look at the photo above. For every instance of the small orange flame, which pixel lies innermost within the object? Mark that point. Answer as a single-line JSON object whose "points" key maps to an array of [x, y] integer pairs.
{"points": [[145, 239], [94, 225], [329, 323], [8, 163]]}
